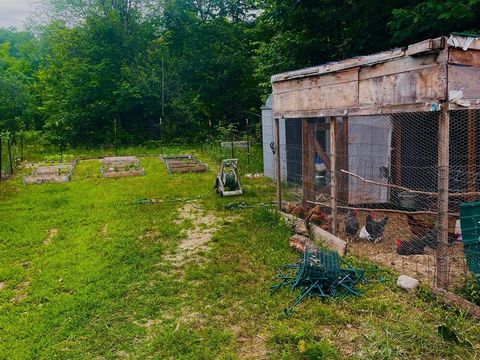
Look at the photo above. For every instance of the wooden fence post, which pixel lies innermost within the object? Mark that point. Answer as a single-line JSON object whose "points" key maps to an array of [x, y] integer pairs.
{"points": [[342, 161], [443, 173], [278, 177], [1, 158], [9, 148], [333, 172], [471, 156]]}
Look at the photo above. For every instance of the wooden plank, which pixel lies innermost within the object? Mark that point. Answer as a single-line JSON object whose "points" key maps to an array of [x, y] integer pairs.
{"points": [[402, 65], [120, 160], [125, 173], [460, 57], [340, 77], [425, 46], [366, 110], [339, 96], [458, 301], [47, 178], [420, 47], [340, 65], [333, 172], [361, 111], [329, 240], [184, 169], [318, 234], [442, 277], [422, 86]]}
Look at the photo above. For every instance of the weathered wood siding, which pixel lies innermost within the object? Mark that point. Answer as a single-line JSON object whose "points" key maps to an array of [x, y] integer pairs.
{"points": [[408, 83]]}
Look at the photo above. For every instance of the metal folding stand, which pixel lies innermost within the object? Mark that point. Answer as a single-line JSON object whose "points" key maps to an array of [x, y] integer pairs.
{"points": [[320, 273]]}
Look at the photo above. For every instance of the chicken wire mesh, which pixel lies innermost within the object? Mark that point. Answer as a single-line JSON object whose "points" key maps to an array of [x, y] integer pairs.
{"points": [[385, 170]]}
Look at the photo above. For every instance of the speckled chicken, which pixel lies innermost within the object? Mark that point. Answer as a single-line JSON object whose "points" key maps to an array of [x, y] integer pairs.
{"points": [[351, 224], [375, 228]]}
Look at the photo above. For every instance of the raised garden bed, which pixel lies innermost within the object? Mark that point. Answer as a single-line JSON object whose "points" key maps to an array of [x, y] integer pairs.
{"points": [[59, 173], [121, 166], [120, 161], [183, 163]]}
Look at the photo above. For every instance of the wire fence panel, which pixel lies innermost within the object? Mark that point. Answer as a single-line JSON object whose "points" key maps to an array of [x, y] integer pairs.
{"points": [[388, 174], [11, 153]]}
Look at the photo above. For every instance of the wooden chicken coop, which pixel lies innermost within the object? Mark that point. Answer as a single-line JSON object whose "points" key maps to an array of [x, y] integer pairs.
{"points": [[396, 131]]}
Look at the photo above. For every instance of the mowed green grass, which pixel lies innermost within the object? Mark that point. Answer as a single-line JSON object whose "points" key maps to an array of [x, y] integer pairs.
{"points": [[101, 287]]}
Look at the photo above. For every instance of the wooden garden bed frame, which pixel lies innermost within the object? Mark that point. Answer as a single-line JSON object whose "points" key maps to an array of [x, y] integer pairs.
{"points": [[59, 173], [119, 166], [183, 164]]}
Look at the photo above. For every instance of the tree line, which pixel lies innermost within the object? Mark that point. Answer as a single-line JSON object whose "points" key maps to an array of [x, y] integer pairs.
{"points": [[91, 72]]}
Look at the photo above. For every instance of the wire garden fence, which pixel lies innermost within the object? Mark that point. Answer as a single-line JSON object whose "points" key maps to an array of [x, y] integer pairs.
{"points": [[390, 184], [11, 153], [32, 147]]}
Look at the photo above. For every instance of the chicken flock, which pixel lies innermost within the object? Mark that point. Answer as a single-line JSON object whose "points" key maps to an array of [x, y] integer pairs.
{"points": [[424, 232]]}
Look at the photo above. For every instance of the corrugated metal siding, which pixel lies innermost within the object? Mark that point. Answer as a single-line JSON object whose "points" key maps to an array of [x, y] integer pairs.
{"points": [[269, 137]]}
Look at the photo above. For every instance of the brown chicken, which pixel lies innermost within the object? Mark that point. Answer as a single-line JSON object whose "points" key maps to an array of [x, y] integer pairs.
{"points": [[316, 215], [299, 211], [289, 207], [420, 227]]}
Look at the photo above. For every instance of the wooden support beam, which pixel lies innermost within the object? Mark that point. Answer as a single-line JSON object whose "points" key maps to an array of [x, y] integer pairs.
{"points": [[333, 172], [308, 172], [471, 153], [278, 175], [455, 300], [398, 150], [443, 172], [342, 161]]}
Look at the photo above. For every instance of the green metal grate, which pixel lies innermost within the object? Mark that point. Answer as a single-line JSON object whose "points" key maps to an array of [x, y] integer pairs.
{"points": [[470, 224], [320, 273]]}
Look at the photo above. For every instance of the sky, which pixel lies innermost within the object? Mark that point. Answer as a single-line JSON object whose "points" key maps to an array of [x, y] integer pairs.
{"points": [[14, 12]]}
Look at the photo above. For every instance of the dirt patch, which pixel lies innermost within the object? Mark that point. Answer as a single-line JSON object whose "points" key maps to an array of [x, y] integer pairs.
{"points": [[20, 291], [201, 227], [249, 346], [51, 234], [104, 230], [150, 234], [151, 322], [2, 285]]}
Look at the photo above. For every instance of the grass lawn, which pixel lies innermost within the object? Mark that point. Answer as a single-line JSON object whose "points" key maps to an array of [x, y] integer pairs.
{"points": [[89, 272]]}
